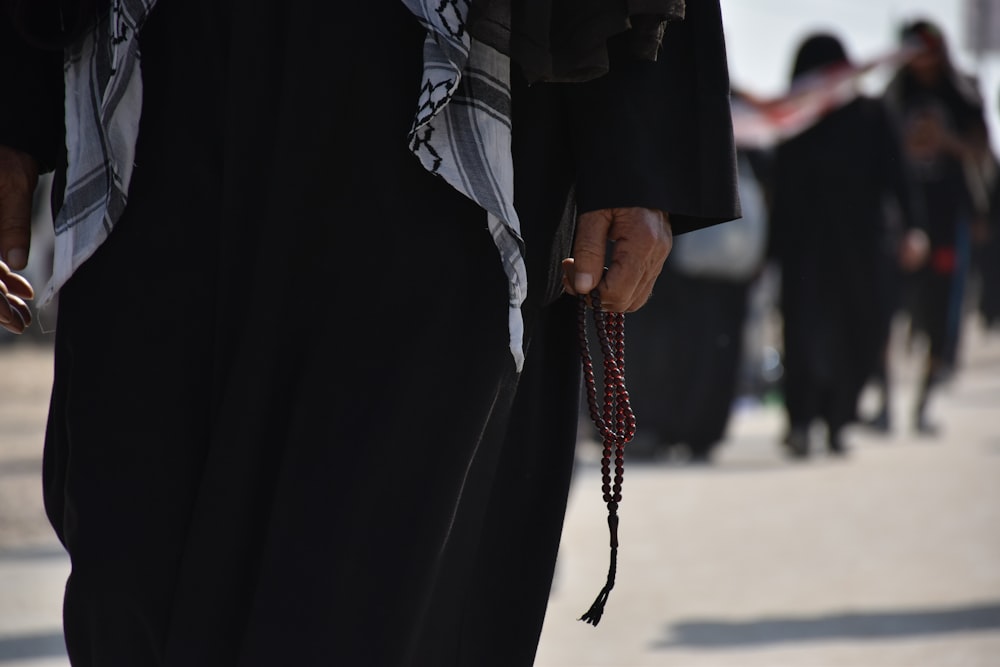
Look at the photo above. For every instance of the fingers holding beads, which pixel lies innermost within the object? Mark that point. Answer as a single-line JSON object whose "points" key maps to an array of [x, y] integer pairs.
{"points": [[634, 242], [15, 316]]}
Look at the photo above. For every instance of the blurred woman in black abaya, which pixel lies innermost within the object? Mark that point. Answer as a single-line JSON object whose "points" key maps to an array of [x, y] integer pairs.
{"points": [[827, 232]]}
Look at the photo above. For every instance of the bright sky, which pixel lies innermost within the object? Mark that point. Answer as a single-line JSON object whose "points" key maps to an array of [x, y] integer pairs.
{"points": [[763, 35]]}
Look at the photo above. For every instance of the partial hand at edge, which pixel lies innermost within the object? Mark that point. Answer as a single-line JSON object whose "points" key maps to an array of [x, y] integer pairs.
{"points": [[18, 178], [15, 316], [641, 241]]}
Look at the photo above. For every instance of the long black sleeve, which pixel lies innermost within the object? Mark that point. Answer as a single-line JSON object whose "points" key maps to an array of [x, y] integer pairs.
{"points": [[31, 107], [659, 134]]}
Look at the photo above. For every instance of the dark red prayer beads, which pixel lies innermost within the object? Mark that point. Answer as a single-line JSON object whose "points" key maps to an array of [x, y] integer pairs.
{"points": [[614, 420]]}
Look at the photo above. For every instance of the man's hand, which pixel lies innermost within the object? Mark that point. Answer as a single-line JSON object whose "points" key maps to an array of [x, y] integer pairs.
{"points": [[641, 239], [914, 249], [18, 178], [14, 290]]}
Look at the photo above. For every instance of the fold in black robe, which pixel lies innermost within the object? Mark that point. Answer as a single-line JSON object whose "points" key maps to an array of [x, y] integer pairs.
{"points": [[285, 426]]}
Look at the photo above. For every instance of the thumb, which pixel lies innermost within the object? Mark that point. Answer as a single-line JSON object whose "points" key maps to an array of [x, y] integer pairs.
{"points": [[589, 249]]}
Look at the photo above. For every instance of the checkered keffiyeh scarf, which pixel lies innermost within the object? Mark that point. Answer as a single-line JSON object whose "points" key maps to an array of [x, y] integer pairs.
{"points": [[462, 133], [103, 101]]}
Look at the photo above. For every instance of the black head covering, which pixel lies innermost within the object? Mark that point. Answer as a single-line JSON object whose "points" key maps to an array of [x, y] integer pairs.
{"points": [[923, 33], [959, 93], [819, 50]]}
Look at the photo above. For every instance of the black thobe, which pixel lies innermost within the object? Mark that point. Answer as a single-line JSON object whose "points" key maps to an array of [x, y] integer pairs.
{"points": [[828, 229], [285, 425]]}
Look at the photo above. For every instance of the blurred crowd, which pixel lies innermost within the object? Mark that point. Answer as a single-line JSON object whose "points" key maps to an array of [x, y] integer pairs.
{"points": [[861, 214]]}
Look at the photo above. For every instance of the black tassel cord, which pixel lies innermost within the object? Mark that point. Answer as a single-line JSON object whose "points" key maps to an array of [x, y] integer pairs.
{"points": [[614, 421]]}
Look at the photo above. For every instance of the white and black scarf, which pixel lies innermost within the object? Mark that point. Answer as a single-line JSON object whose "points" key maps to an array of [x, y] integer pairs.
{"points": [[103, 103], [461, 131]]}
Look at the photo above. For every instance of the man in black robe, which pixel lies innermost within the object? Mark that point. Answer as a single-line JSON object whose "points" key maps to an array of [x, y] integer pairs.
{"points": [[285, 425]]}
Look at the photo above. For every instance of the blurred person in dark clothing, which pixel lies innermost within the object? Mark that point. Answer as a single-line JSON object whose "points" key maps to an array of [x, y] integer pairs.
{"points": [[939, 113], [986, 256], [904, 252], [688, 340], [987, 259], [827, 230]]}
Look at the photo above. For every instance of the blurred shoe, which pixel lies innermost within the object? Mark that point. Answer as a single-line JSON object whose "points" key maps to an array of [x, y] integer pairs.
{"points": [[925, 428], [797, 443], [835, 445], [700, 454], [642, 448], [880, 423]]}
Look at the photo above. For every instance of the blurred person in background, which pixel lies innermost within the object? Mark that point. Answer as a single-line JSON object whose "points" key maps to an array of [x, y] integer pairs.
{"points": [[987, 255], [827, 232], [688, 340], [939, 113], [904, 252]]}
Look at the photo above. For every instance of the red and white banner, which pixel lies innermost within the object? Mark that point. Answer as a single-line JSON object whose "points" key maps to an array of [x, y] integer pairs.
{"points": [[761, 123]]}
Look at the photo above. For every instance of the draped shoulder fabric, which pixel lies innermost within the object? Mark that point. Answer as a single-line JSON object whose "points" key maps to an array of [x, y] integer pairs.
{"points": [[571, 40], [468, 143], [462, 128]]}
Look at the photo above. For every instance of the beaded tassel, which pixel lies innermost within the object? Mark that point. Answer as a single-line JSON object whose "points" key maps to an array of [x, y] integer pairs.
{"points": [[614, 421]]}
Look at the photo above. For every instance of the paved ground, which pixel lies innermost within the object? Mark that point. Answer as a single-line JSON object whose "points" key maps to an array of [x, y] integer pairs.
{"points": [[32, 564], [888, 558]]}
